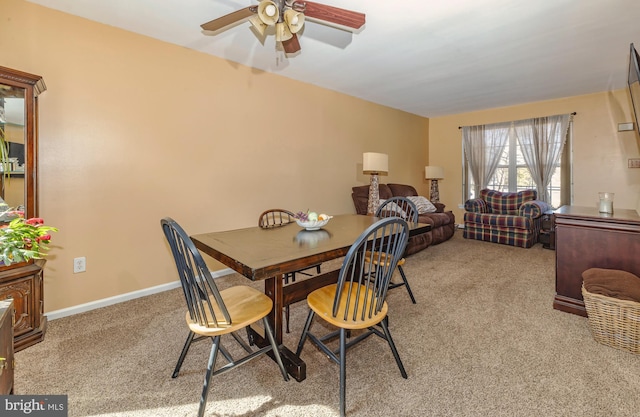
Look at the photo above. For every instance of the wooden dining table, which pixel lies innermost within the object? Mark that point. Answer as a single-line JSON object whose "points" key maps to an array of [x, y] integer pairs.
{"points": [[267, 254]]}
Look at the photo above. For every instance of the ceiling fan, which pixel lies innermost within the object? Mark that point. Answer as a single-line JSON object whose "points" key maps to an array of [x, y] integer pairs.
{"points": [[287, 17]]}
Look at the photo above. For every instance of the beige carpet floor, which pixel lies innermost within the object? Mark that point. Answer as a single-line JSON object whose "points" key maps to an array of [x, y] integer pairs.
{"points": [[483, 340]]}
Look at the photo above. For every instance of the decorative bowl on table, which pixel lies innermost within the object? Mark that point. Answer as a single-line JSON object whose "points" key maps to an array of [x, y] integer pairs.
{"points": [[312, 224], [312, 221]]}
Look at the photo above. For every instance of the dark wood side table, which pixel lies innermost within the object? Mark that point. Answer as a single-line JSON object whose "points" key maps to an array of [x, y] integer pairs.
{"points": [[548, 233], [6, 347], [587, 239]]}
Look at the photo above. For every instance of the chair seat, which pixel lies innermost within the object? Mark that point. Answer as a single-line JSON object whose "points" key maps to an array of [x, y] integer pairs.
{"points": [[321, 301], [246, 305], [377, 258]]}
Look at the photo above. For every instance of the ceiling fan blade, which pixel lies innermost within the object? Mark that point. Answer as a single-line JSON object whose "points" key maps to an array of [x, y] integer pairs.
{"points": [[292, 45], [229, 19], [334, 15]]}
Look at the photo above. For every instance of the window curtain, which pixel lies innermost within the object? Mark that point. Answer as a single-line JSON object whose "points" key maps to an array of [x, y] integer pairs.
{"points": [[541, 141], [483, 146]]}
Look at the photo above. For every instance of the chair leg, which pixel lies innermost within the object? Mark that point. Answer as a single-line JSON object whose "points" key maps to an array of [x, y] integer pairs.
{"points": [[209, 374], [343, 372], [406, 284], [305, 332], [274, 347], [287, 315], [387, 334], [250, 337], [183, 354]]}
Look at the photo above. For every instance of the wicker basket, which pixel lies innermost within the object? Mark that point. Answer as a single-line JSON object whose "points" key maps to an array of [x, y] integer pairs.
{"points": [[613, 322]]}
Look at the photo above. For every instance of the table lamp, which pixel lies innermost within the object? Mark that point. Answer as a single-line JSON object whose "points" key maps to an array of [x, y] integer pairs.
{"points": [[434, 174], [374, 164]]}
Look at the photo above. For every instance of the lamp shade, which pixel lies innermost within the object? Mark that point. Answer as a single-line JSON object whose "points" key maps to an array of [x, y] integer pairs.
{"points": [[377, 163], [433, 173]]}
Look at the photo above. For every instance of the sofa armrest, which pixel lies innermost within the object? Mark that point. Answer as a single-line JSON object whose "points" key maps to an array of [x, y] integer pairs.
{"points": [[476, 205], [534, 208], [439, 207]]}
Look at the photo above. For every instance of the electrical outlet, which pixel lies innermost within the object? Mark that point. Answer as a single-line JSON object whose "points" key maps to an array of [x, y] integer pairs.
{"points": [[79, 264]]}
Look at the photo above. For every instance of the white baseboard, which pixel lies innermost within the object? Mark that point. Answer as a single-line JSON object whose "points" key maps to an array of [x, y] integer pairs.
{"points": [[82, 308]]}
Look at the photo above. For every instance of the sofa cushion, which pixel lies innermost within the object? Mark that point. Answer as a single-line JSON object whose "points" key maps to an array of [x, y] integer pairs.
{"points": [[384, 191], [402, 190], [505, 221], [506, 203], [437, 219], [362, 191], [422, 204], [360, 196]]}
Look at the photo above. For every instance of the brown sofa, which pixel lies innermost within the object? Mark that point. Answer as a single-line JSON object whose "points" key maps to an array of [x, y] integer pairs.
{"points": [[443, 224]]}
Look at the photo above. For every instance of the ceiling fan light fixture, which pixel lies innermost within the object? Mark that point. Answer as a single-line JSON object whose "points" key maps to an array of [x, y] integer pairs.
{"points": [[268, 12], [259, 25], [294, 19], [283, 33]]}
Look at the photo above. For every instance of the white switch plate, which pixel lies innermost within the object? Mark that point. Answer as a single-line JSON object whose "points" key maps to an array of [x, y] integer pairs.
{"points": [[623, 127]]}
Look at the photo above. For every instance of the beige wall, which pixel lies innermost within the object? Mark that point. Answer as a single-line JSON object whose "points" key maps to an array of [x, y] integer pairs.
{"points": [[600, 152], [133, 129]]}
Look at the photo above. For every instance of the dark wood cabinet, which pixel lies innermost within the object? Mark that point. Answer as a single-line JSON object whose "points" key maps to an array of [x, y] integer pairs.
{"points": [[24, 285], [587, 239], [7, 364]]}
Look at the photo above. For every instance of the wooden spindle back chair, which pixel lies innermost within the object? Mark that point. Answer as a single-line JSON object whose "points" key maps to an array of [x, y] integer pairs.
{"points": [[404, 208], [356, 303], [212, 313]]}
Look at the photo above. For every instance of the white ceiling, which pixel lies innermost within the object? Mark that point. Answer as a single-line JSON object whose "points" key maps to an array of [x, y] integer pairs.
{"points": [[430, 58]]}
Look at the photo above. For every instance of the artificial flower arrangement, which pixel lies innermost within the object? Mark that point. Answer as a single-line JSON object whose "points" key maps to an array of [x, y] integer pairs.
{"points": [[23, 239]]}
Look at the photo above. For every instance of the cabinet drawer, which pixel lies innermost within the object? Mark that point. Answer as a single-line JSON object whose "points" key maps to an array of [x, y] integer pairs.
{"points": [[6, 347], [22, 291]]}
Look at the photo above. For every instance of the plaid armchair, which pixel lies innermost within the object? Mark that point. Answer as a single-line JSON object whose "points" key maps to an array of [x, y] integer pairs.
{"points": [[508, 218]]}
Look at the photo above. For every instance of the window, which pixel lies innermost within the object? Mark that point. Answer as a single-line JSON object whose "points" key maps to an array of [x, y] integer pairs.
{"points": [[512, 173]]}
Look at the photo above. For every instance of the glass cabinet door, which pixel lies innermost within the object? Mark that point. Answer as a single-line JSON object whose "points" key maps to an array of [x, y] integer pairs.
{"points": [[18, 143]]}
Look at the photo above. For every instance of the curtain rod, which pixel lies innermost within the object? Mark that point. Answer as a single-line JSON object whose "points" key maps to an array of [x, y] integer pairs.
{"points": [[573, 114]]}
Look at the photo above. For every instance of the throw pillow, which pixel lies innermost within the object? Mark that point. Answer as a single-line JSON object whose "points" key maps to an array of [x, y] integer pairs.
{"points": [[423, 204]]}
